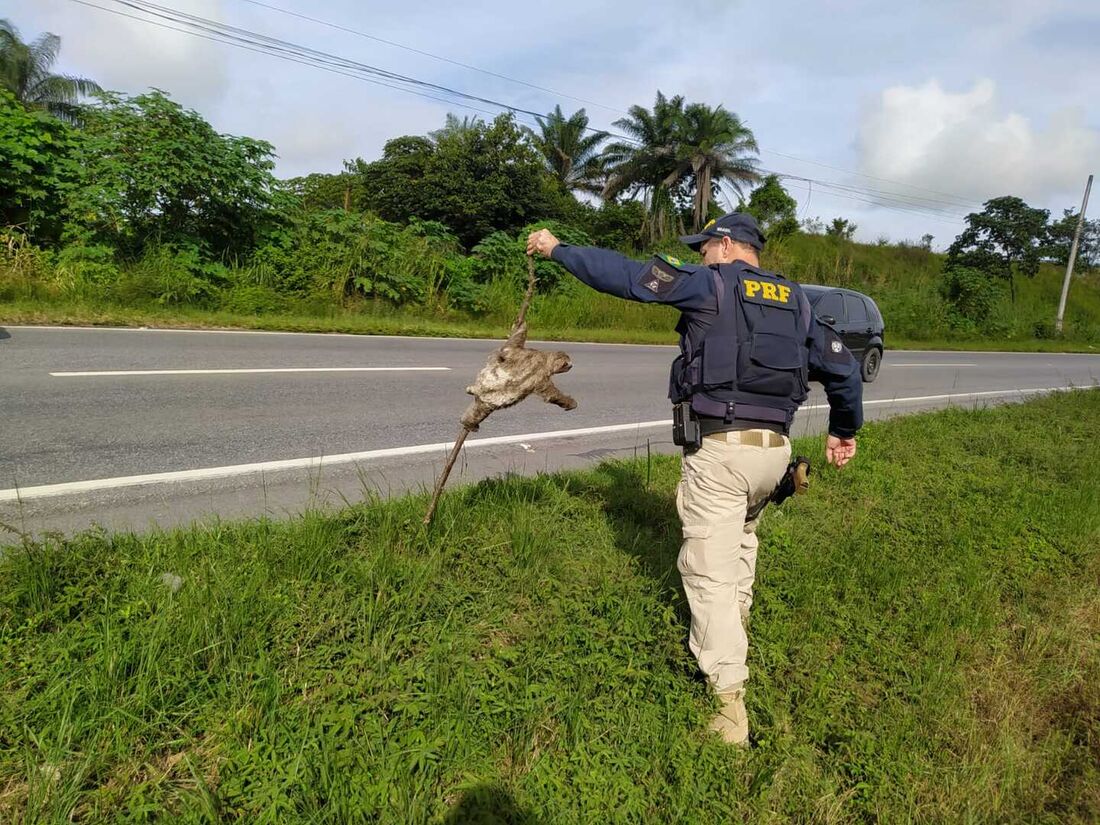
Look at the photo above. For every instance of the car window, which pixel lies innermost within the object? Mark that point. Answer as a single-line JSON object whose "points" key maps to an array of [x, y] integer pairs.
{"points": [[872, 311], [857, 310], [832, 304]]}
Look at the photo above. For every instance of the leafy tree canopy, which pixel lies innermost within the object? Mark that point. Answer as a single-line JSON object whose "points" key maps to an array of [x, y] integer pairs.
{"points": [[841, 228], [774, 208], [34, 150], [1060, 240], [148, 170], [476, 179], [1006, 235]]}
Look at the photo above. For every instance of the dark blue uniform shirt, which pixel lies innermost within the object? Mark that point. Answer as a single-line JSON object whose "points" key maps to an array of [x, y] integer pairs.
{"points": [[695, 296]]}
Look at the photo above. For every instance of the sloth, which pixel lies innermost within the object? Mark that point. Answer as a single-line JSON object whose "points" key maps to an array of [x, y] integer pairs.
{"points": [[514, 372]]}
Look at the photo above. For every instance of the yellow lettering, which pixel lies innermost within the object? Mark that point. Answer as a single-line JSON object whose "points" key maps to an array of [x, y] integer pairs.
{"points": [[751, 288], [770, 293], [784, 293]]}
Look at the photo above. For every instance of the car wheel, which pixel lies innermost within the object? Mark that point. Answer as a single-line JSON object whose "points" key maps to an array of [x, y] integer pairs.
{"points": [[872, 360]]}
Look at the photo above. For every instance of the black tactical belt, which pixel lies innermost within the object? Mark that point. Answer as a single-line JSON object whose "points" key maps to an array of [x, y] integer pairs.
{"points": [[709, 426]]}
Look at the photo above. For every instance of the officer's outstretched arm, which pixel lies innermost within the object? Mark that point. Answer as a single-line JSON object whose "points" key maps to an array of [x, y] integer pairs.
{"points": [[662, 279], [832, 365]]}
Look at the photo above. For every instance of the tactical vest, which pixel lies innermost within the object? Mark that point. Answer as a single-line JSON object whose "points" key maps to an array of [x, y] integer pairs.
{"points": [[752, 361]]}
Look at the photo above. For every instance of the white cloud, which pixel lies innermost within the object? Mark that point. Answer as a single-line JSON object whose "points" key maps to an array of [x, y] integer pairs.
{"points": [[130, 56], [968, 143]]}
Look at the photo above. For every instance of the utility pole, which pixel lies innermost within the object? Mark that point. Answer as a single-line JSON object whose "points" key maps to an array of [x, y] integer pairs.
{"points": [[1072, 259]]}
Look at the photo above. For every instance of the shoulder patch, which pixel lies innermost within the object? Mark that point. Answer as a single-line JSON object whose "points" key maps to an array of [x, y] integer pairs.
{"points": [[661, 275], [835, 351], [670, 259]]}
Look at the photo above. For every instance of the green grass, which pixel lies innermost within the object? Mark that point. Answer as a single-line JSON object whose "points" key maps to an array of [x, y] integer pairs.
{"points": [[925, 648], [904, 280]]}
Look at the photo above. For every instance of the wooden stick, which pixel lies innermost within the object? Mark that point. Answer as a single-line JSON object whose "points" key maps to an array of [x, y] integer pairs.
{"points": [[462, 435], [530, 293], [446, 472]]}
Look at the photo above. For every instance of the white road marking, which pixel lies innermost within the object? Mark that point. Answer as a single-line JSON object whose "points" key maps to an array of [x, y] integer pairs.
{"points": [[316, 462], [244, 371]]}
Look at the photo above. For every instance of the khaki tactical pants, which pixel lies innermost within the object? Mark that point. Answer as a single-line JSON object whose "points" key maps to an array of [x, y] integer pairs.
{"points": [[718, 556]]}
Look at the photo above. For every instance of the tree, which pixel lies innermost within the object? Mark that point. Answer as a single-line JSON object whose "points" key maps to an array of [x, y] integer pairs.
{"points": [[841, 228], [572, 155], [715, 147], [926, 241], [679, 154], [1006, 237], [455, 125], [319, 190], [34, 165], [475, 180], [147, 170], [774, 208], [25, 72], [648, 164], [1060, 240]]}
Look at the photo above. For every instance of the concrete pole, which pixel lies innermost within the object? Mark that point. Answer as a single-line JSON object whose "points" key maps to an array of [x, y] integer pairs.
{"points": [[1072, 259]]}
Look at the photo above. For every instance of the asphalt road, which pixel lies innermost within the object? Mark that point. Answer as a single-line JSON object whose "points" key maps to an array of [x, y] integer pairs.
{"points": [[345, 413]]}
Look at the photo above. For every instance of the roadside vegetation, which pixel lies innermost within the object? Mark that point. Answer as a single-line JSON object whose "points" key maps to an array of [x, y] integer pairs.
{"points": [[117, 208], [924, 645]]}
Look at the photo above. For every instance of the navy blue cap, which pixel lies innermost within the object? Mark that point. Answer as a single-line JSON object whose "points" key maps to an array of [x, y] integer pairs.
{"points": [[737, 226]]}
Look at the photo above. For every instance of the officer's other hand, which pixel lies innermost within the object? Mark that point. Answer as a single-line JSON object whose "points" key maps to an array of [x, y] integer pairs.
{"points": [[541, 241], [839, 451]]}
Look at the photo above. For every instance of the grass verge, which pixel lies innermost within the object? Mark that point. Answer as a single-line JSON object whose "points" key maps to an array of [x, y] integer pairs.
{"points": [[924, 648]]}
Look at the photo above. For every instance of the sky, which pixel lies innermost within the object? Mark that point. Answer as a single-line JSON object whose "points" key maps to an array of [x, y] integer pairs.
{"points": [[920, 111]]}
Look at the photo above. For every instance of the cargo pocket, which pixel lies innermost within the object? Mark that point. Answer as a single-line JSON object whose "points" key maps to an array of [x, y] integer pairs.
{"points": [[697, 531], [693, 552], [773, 366]]}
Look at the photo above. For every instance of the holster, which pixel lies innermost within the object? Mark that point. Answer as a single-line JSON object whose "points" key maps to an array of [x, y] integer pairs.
{"points": [[685, 428], [795, 480]]}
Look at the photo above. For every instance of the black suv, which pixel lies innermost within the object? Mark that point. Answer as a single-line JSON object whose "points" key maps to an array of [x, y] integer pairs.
{"points": [[856, 318]]}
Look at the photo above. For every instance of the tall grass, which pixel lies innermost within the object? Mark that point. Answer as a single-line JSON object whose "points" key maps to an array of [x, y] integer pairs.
{"points": [[923, 645], [161, 288]]}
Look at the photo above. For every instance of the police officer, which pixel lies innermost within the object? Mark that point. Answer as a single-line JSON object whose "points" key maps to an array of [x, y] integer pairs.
{"points": [[749, 344]]}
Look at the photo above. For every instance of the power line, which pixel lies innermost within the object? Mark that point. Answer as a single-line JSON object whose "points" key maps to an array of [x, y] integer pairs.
{"points": [[911, 201], [961, 201], [924, 214], [277, 47], [242, 45], [215, 31], [415, 50]]}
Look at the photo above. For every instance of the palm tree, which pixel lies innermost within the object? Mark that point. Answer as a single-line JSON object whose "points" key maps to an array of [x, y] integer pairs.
{"points": [[25, 71], [571, 155], [648, 163], [455, 125], [715, 147], [678, 149]]}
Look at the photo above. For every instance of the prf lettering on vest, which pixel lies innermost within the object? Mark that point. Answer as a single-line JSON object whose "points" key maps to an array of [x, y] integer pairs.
{"points": [[768, 291]]}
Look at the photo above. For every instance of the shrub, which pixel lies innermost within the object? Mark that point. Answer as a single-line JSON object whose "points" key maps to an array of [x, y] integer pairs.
{"points": [[172, 275], [501, 256], [251, 299], [970, 292], [25, 270], [87, 271]]}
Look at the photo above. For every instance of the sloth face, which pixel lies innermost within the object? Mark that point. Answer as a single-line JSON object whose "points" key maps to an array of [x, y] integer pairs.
{"points": [[562, 363]]}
